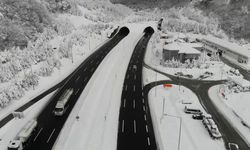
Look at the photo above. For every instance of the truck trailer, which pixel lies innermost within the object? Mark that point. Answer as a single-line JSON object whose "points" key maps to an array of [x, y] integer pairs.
{"points": [[61, 104], [21, 140]]}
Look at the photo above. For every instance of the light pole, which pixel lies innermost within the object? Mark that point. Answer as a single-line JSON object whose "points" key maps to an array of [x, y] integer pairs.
{"points": [[178, 117], [89, 42]]}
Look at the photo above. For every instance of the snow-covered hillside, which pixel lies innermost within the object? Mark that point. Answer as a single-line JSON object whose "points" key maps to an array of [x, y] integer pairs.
{"points": [[73, 37]]}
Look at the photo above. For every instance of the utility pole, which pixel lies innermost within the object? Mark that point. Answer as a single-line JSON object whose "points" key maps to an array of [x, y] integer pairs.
{"points": [[179, 142], [89, 41]]}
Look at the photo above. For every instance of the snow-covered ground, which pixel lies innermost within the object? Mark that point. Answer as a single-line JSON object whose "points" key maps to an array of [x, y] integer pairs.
{"points": [[80, 53], [239, 105], [12, 128], [152, 76], [235, 109], [56, 77], [218, 69], [99, 104], [172, 121], [154, 56]]}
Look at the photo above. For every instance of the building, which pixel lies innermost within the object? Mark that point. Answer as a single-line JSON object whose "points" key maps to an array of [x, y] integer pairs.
{"points": [[170, 51], [180, 52], [216, 46]]}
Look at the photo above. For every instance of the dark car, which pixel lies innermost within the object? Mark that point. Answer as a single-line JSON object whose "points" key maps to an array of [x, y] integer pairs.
{"points": [[179, 74], [197, 116]]}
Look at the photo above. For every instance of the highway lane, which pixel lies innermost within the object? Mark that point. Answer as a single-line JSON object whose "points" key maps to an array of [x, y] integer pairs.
{"points": [[9, 117], [49, 126], [135, 130], [200, 88]]}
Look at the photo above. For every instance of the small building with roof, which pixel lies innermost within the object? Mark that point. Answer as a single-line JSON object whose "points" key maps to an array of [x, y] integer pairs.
{"points": [[224, 48], [180, 51]]}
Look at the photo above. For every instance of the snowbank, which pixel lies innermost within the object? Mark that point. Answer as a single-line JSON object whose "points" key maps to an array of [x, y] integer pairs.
{"points": [[172, 121], [230, 112], [98, 106], [152, 76], [11, 129]]}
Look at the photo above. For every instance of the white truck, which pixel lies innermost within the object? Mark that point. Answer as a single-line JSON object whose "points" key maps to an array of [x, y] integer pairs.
{"points": [[61, 104], [211, 127], [21, 139]]}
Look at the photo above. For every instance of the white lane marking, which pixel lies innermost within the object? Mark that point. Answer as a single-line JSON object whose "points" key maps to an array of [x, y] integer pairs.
{"points": [[148, 141], [143, 100], [135, 77], [134, 126], [77, 91], [38, 134], [77, 78], [122, 126], [145, 118], [124, 104], [146, 128], [85, 69], [134, 87], [134, 103], [51, 135], [144, 108], [142, 93]]}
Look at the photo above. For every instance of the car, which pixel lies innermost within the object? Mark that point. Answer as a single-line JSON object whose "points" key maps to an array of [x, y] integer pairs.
{"points": [[134, 67], [179, 74], [197, 116], [233, 146], [189, 76]]}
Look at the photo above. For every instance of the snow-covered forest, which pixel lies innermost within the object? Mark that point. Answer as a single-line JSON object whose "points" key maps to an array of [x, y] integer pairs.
{"points": [[36, 35]]}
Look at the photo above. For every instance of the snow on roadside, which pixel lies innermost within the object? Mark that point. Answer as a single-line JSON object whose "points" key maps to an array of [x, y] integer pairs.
{"points": [[98, 106], [194, 135], [12, 128], [152, 76], [56, 77], [229, 112]]}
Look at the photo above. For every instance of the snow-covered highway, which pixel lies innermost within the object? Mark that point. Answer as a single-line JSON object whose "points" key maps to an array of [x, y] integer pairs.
{"points": [[49, 125]]}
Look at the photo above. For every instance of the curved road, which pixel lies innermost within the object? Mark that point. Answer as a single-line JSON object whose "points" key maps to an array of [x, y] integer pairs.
{"points": [[135, 126], [200, 88], [49, 126]]}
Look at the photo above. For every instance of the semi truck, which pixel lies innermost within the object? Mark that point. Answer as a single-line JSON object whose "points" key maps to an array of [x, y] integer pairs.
{"points": [[211, 127], [21, 140], [61, 104]]}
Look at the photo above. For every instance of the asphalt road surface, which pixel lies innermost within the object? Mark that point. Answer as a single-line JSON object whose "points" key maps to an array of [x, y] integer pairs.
{"points": [[49, 125], [135, 126], [9, 117], [200, 88]]}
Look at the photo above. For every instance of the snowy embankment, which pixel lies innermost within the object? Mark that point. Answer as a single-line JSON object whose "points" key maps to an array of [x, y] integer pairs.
{"points": [[231, 108], [98, 106], [56, 77], [175, 128], [152, 76], [11, 129]]}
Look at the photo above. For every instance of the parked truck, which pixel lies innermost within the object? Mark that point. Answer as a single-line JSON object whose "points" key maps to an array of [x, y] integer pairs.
{"points": [[211, 127], [21, 140], [61, 104]]}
